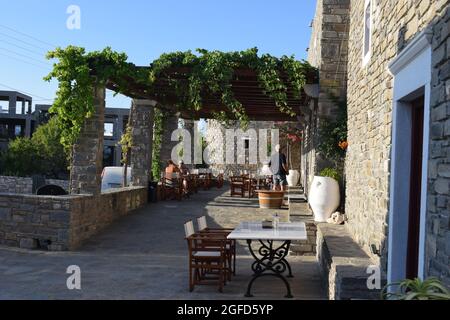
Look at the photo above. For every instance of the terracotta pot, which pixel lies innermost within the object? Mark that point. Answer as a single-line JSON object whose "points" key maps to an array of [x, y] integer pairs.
{"points": [[269, 199]]}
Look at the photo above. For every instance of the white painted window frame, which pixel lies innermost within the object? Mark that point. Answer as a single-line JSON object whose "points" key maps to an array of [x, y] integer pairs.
{"points": [[367, 55], [412, 71]]}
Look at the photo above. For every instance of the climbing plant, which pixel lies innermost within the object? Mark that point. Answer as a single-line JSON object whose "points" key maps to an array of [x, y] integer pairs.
{"points": [[158, 129], [333, 133], [190, 75], [77, 73]]}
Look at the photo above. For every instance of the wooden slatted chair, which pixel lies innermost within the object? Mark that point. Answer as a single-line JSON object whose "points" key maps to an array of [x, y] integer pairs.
{"points": [[207, 258], [231, 244], [237, 186], [219, 181]]}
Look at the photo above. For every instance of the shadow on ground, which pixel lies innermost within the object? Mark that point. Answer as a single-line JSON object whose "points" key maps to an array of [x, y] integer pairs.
{"points": [[144, 256]]}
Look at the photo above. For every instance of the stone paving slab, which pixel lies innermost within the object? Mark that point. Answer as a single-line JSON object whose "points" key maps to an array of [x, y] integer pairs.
{"points": [[144, 256]]}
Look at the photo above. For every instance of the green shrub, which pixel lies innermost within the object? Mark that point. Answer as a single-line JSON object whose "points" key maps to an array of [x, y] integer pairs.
{"points": [[430, 289], [42, 154], [330, 173]]}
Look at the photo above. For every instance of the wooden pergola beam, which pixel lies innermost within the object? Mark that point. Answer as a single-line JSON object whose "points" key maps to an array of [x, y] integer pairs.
{"points": [[245, 86]]}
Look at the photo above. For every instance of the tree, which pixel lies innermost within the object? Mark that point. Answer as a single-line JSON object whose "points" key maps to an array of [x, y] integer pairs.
{"points": [[47, 141], [20, 158], [42, 154]]}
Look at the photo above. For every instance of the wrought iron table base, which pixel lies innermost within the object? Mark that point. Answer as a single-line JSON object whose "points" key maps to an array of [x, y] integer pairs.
{"points": [[270, 261]]}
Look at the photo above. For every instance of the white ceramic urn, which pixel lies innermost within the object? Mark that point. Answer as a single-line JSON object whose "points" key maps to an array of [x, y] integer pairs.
{"points": [[293, 177], [324, 198]]}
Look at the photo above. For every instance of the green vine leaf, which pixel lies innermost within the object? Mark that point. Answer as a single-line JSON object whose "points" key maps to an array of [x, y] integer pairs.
{"points": [[193, 77]]}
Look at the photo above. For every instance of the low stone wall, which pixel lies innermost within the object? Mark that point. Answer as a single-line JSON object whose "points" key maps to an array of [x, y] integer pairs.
{"points": [[61, 183], [91, 214], [16, 185], [62, 223], [25, 185], [343, 264]]}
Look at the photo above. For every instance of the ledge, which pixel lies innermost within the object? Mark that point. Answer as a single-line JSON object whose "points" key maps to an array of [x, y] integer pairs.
{"points": [[344, 264]]}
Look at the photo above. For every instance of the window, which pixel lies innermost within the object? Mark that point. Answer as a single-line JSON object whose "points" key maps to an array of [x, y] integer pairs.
{"points": [[109, 130], [18, 132], [247, 144], [367, 31], [4, 106], [108, 156]]}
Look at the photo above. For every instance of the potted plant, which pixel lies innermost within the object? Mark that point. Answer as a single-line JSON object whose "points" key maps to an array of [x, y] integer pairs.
{"points": [[324, 196], [430, 289]]}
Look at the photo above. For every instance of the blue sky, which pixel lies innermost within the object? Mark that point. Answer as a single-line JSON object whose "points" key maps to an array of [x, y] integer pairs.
{"points": [[144, 29]]}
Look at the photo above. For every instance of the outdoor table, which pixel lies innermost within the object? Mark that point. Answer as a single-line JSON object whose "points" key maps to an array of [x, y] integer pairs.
{"points": [[270, 259]]}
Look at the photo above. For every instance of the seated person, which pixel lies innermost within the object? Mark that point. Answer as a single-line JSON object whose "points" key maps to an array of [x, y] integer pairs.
{"points": [[170, 170]]}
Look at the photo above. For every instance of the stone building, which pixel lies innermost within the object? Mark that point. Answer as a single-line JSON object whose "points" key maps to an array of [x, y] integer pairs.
{"points": [[398, 161], [116, 120], [215, 137], [328, 53]]}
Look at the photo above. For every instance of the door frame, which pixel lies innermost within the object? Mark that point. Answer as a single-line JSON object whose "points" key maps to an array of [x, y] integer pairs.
{"points": [[411, 70]]}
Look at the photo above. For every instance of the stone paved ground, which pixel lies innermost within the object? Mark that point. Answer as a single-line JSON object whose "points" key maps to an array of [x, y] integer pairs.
{"points": [[144, 256]]}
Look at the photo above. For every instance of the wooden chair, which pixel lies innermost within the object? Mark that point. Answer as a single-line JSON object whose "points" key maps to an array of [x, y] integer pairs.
{"points": [[205, 180], [195, 183], [207, 257], [172, 187], [237, 186], [219, 181], [231, 244]]}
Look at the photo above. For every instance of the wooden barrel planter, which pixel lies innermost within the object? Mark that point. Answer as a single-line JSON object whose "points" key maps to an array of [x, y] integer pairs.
{"points": [[269, 199]]}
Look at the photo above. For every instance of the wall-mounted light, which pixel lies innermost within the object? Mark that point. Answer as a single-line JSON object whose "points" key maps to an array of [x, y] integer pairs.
{"points": [[375, 250]]}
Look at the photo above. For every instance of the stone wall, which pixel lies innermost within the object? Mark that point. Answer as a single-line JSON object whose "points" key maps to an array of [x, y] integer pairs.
{"points": [[16, 185], [91, 214], [370, 95], [61, 183], [87, 160], [170, 124], [142, 134], [328, 51], [62, 223], [438, 215], [25, 185], [344, 265], [216, 139]]}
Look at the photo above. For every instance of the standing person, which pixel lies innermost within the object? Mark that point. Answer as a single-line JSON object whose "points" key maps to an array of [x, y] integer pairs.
{"points": [[184, 170], [279, 167]]}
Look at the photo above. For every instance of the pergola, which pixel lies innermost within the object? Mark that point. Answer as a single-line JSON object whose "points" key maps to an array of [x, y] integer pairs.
{"points": [[258, 105]]}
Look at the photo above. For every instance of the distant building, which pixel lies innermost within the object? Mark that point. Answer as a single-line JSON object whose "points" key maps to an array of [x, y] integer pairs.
{"points": [[17, 119], [115, 122]]}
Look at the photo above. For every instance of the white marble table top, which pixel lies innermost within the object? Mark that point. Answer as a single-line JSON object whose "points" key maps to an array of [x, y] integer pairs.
{"points": [[255, 231]]}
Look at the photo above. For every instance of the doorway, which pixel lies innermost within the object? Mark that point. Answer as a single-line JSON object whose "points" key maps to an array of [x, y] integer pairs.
{"points": [[411, 70], [415, 194]]}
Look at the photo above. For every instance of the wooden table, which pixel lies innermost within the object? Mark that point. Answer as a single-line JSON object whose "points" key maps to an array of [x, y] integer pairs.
{"points": [[270, 259]]}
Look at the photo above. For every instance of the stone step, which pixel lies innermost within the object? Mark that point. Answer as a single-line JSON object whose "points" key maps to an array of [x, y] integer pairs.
{"points": [[295, 198], [295, 190], [300, 209]]}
